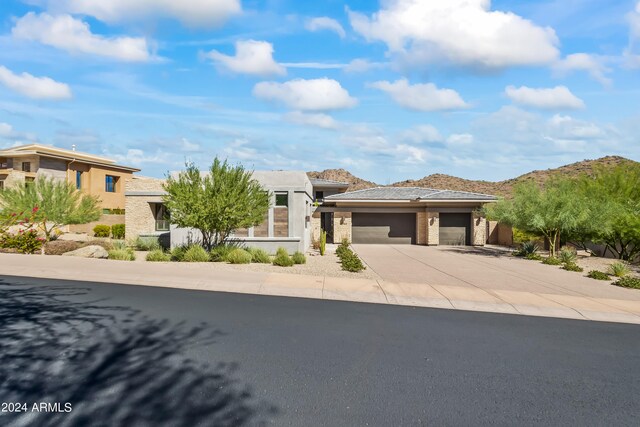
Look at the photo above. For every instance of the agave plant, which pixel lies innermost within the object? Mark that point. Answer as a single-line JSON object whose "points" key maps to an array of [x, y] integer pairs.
{"points": [[527, 249], [567, 255], [619, 269]]}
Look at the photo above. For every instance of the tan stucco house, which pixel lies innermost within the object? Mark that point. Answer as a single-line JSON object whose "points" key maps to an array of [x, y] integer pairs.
{"points": [[95, 175]]}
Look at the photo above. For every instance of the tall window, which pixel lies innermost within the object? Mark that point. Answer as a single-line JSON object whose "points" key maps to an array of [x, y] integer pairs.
{"points": [[78, 180], [110, 183], [162, 217], [26, 166]]}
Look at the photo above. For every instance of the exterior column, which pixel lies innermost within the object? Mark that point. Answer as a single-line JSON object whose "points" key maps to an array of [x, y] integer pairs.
{"points": [[433, 228], [478, 229], [421, 228], [341, 226]]}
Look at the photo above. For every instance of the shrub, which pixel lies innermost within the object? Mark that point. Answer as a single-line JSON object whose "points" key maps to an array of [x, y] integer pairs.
{"points": [[117, 231], [220, 252], [551, 261], [344, 247], [147, 243], [598, 275], [628, 282], [239, 256], [25, 241], [520, 236], [533, 257], [259, 256], [196, 253], [101, 230], [299, 258], [59, 247], [567, 255], [119, 244], [177, 253], [122, 254], [282, 258], [619, 269], [571, 266], [158, 255], [351, 262], [527, 248]]}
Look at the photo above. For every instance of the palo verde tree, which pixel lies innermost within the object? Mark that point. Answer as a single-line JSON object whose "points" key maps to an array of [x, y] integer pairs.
{"points": [[216, 203], [612, 197], [550, 211], [49, 204]]}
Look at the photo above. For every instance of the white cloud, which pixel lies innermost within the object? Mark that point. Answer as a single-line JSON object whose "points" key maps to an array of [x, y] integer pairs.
{"points": [[299, 94], [460, 139], [34, 87], [421, 97], [320, 120], [197, 13], [240, 149], [559, 97], [410, 154], [422, 134], [631, 54], [591, 64], [325, 23], [73, 35], [189, 146], [458, 32], [360, 65], [138, 157], [252, 57], [567, 127]]}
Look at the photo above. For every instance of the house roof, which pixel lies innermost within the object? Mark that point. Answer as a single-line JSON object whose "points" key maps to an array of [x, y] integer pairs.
{"points": [[317, 182], [61, 153], [409, 194]]}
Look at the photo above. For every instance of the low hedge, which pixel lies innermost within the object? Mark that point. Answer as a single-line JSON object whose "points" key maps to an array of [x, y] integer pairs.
{"points": [[101, 230], [117, 231], [570, 266], [598, 275], [239, 256], [551, 261], [299, 258], [628, 282]]}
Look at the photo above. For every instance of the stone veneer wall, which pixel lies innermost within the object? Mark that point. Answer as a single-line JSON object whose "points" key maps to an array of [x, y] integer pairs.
{"points": [[341, 226], [433, 228], [316, 226], [139, 218], [421, 228], [478, 230]]}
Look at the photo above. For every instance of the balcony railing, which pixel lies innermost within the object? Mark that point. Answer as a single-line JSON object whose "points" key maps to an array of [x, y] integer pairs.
{"points": [[162, 225]]}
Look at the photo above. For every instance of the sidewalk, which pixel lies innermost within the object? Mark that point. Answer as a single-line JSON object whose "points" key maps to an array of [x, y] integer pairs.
{"points": [[208, 277]]}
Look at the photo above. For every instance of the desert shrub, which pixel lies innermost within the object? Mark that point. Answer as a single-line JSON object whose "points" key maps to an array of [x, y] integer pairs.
{"points": [[299, 258], [101, 230], [259, 256], [628, 282], [571, 266], [59, 247], [282, 258], [177, 253], [343, 248], [117, 231], [239, 256], [196, 253], [147, 243], [24, 241], [567, 255], [219, 253], [527, 249], [598, 275], [119, 244], [520, 236], [158, 255], [122, 254], [619, 269], [533, 257], [551, 261], [351, 262]]}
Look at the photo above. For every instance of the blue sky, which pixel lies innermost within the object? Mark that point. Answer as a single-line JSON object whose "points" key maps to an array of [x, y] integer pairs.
{"points": [[389, 90]]}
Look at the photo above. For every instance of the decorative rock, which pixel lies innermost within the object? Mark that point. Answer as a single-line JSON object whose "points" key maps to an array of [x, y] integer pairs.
{"points": [[93, 251]]}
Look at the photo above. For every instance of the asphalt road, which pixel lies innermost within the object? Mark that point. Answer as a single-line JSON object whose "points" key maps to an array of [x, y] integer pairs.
{"points": [[133, 355]]}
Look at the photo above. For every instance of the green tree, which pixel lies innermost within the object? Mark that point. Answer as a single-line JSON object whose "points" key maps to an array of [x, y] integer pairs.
{"points": [[49, 204], [612, 197], [550, 211], [216, 203]]}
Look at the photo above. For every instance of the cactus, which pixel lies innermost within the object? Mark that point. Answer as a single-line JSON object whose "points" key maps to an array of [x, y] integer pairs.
{"points": [[323, 242]]}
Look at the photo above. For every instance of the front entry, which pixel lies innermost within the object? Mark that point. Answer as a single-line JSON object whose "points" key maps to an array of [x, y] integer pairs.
{"points": [[326, 223], [389, 228], [455, 229]]}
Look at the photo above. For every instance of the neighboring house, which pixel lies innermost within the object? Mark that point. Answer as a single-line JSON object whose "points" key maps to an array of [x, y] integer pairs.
{"points": [[286, 224], [405, 215], [95, 175]]}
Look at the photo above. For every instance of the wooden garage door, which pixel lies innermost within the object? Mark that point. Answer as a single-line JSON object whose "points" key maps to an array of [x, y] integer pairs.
{"points": [[455, 229], [394, 228]]}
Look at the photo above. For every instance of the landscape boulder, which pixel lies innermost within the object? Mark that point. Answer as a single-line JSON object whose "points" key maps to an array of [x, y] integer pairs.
{"points": [[92, 251]]}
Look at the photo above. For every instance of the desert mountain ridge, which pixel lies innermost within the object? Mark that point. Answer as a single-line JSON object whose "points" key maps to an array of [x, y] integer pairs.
{"points": [[448, 182]]}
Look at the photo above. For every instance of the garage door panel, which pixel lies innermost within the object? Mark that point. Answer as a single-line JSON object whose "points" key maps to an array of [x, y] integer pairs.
{"points": [[384, 228], [455, 229]]}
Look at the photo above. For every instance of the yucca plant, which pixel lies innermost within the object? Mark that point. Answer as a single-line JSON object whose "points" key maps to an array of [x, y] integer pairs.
{"points": [[619, 269], [567, 255]]}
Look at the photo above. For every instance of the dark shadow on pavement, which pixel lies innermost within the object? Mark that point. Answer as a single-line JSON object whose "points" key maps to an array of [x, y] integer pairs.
{"points": [[115, 366], [478, 250]]}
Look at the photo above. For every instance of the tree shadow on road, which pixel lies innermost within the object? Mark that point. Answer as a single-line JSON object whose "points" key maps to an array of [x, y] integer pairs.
{"points": [[484, 251], [114, 365]]}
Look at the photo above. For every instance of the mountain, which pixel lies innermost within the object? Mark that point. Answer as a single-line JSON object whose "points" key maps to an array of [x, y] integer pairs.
{"points": [[499, 188], [342, 175]]}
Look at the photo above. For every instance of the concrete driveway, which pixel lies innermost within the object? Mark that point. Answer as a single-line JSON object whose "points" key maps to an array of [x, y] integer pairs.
{"points": [[486, 268]]}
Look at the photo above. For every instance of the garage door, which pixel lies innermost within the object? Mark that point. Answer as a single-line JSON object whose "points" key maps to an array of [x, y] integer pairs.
{"points": [[391, 228], [455, 229]]}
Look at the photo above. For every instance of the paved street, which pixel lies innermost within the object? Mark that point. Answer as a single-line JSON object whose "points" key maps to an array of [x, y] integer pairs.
{"points": [[134, 355]]}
